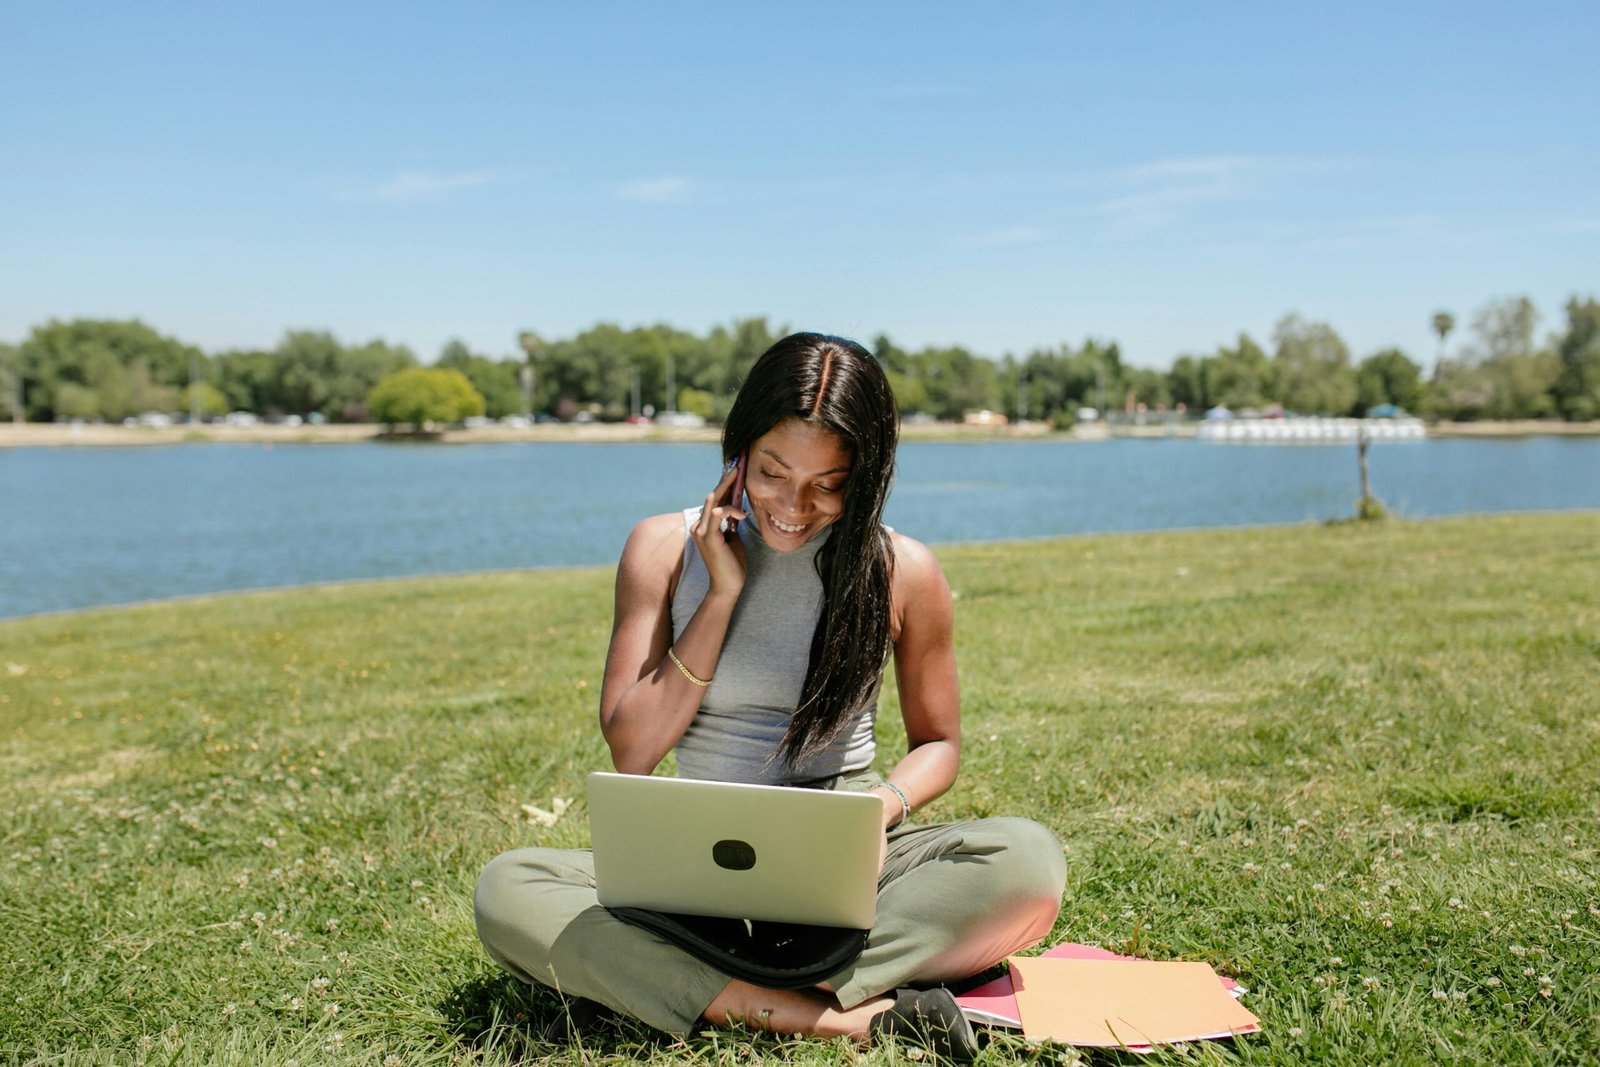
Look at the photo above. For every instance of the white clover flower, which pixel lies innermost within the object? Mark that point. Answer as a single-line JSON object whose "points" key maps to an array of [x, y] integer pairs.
{"points": [[331, 1009], [1492, 982], [1517, 950], [1439, 994], [229, 1009], [1369, 982]]}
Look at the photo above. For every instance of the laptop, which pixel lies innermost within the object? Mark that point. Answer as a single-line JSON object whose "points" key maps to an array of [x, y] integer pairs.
{"points": [[738, 851]]}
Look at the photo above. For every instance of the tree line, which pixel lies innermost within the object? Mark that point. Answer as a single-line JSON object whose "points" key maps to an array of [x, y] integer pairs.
{"points": [[95, 369]]}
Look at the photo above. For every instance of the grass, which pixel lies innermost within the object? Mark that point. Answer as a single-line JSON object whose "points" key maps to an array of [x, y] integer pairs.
{"points": [[1352, 766]]}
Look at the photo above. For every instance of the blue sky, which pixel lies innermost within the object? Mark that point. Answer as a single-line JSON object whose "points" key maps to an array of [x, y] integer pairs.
{"points": [[1164, 175]]}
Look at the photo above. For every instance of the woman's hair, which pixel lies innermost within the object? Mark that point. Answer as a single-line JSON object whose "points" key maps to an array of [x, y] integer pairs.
{"points": [[837, 385]]}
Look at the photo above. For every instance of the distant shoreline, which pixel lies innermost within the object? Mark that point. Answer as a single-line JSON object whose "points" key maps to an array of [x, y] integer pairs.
{"points": [[61, 435]]}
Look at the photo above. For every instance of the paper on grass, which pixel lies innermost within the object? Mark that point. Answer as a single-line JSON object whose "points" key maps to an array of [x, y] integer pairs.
{"points": [[995, 1003], [1119, 1003]]}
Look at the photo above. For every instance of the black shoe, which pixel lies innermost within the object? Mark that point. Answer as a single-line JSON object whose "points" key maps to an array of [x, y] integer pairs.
{"points": [[930, 1018], [574, 1019]]}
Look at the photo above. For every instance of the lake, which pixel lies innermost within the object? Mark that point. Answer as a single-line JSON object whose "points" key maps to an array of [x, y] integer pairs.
{"points": [[90, 526]]}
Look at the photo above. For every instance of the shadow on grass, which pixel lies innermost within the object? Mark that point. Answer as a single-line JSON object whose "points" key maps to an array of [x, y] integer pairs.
{"points": [[493, 1011]]}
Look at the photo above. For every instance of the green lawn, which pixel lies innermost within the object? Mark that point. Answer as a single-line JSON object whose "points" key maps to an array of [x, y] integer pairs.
{"points": [[1352, 766]]}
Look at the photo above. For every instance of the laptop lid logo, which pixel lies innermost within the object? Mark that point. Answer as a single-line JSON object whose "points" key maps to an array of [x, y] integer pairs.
{"points": [[733, 855]]}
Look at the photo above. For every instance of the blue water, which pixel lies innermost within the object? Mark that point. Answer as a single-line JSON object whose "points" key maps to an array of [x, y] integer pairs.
{"points": [[90, 526]]}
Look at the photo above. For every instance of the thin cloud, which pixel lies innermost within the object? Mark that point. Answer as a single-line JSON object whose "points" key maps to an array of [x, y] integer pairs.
{"points": [[1199, 167], [664, 190], [1158, 194], [1005, 237], [411, 187], [911, 92]]}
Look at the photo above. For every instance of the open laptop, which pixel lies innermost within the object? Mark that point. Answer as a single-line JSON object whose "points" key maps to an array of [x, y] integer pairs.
{"points": [[737, 851]]}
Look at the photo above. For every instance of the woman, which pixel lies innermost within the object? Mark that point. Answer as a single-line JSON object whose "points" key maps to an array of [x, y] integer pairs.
{"points": [[750, 637]]}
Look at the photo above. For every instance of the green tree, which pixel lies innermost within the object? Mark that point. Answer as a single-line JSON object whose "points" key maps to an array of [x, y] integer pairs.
{"points": [[1312, 368], [11, 384], [1519, 377], [248, 379], [1388, 377], [206, 397], [1577, 387], [1443, 323], [359, 369], [956, 381], [1186, 381], [497, 380], [420, 397], [316, 373], [307, 363], [125, 366], [695, 401], [748, 339], [1148, 387], [1239, 377]]}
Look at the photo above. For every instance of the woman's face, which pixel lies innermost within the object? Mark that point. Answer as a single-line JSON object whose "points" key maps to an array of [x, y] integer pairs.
{"points": [[795, 482]]}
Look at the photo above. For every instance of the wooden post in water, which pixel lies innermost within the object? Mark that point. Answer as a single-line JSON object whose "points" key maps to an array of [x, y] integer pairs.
{"points": [[1362, 441], [1367, 508]]}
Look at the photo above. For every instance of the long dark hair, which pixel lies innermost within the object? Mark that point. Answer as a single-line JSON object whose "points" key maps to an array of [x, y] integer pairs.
{"points": [[837, 385]]}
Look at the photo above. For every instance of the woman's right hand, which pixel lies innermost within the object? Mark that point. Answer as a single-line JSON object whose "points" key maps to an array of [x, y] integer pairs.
{"points": [[723, 554]]}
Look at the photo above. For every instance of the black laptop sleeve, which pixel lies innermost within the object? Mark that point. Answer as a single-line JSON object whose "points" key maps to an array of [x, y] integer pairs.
{"points": [[770, 954]]}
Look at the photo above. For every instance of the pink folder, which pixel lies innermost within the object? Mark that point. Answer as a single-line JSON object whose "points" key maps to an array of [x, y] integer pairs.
{"points": [[995, 1003]]}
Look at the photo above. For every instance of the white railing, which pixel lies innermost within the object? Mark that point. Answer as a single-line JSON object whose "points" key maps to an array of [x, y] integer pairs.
{"points": [[1308, 430]]}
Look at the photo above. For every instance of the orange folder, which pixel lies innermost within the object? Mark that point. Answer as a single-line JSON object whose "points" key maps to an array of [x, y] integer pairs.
{"points": [[1123, 1003]]}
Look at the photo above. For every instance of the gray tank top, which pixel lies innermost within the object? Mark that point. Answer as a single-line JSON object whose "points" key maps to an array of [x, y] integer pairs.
{"points": [[746, 709]]}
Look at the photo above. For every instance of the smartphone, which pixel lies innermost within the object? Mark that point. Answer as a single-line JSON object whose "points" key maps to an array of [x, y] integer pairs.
{"points": [[737, 493], [738, 480]]}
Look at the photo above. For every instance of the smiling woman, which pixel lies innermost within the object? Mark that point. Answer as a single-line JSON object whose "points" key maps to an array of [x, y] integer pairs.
{"points": [[751, 635]]}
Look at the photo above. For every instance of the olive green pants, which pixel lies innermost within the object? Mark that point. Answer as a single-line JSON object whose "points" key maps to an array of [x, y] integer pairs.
{"points": [[952, 899]]}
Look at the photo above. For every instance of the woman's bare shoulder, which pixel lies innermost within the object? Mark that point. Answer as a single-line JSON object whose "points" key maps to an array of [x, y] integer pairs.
{"points": [[655, 549], [917, 573]]}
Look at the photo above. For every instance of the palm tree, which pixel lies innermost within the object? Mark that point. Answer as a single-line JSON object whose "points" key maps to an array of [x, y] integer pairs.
{"points": [[1443, 323], [531, 343]]}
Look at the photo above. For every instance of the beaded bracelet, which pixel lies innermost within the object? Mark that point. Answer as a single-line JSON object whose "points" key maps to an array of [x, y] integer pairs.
{"points": [[905, 805], [701, 682]]}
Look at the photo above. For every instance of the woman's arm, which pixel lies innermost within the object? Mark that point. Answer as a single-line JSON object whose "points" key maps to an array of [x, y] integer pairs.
{"points": [[646, 702], [925, 668]]}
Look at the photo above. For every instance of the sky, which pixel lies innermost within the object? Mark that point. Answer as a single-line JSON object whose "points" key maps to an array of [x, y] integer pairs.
{"points": [[1002, 177]]}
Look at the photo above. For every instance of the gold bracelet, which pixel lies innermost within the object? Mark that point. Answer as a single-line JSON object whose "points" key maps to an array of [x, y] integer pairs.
{"points": [[905, 805], [687, 673]]}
